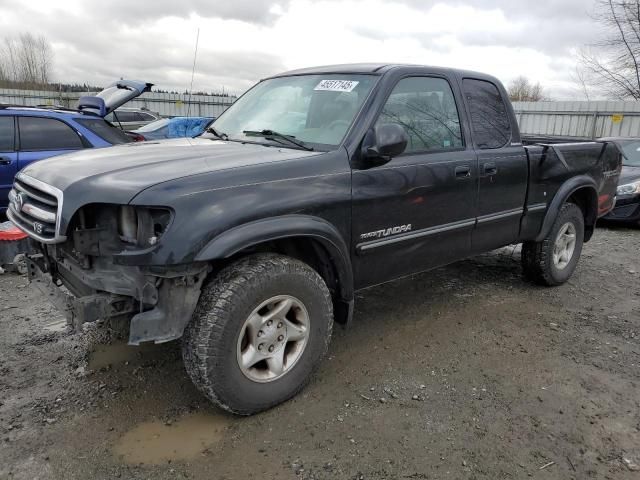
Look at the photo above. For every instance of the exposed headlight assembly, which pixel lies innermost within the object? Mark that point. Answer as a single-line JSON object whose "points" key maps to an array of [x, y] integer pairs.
{"points": [[629, 189], [142, 226]]}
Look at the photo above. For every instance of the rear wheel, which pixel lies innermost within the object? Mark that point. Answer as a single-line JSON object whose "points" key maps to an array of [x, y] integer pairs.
{"points": [[553, 260], [259, 332]]}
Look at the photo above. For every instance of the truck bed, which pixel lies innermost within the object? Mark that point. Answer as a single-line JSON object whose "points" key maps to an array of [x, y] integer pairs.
{"points": [[554, 163]]}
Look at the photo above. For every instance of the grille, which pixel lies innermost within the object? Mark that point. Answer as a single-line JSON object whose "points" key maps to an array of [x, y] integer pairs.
{"points": [[35, 207]]}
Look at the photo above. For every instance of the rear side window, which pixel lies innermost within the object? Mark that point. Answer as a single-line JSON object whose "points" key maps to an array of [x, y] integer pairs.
{"points": [[105, 130], [489, 118], [125, 117], [426, 108], [6, 134], [145, 117], [38, 133]]}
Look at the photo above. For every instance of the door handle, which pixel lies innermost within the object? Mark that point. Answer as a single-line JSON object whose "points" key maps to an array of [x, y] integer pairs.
{"points": [[5, 161], [490, 168], [463, 171]]}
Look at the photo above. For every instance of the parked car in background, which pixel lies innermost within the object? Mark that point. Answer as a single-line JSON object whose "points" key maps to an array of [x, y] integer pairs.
{"points": [[132, 118], [28, 134], [628, 194], [176, 127]]}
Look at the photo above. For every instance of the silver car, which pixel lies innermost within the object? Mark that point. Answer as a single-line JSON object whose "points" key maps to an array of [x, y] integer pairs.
{"points": [[132, 118]]}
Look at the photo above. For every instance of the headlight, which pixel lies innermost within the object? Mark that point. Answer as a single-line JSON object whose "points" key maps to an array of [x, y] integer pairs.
{"points": [[142, 226], [629, 189]]}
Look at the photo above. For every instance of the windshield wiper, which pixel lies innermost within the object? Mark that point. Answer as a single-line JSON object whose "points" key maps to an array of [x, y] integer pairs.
{"points": [[220, 135], [270, 134]]}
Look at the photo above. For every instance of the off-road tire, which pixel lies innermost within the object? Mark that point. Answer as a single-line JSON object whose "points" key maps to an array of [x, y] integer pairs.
{"points": [[210, 340], [537, 257]]}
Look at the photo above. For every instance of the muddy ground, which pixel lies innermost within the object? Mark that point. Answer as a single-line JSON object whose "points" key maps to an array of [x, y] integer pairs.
{"points": [[467, 372]]}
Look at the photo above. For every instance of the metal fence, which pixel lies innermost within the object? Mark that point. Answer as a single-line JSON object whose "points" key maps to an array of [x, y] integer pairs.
{"points": [[581, 120], [166, 104]]}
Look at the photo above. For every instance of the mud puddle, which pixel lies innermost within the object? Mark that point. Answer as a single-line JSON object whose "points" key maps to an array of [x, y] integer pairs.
{"points": [[119, 353], [156, 442]]}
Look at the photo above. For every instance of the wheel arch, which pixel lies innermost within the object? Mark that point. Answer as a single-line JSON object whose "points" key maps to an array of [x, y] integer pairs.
{"points": [[310, 239], [582, 191]]}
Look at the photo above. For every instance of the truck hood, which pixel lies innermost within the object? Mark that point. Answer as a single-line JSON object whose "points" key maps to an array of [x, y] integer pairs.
{"points": [[117, 174]]}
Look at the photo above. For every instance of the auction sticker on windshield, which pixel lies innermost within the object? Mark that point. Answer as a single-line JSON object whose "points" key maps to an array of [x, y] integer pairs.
{"points": [[336, 85]]}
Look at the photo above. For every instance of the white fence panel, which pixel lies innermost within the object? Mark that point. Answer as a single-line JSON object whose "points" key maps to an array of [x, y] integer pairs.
{"points": [[580, 120], [166, 104]]}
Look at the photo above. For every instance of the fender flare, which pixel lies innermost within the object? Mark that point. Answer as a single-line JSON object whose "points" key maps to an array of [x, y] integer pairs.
{"points": [[253, 233], [564, 192]]}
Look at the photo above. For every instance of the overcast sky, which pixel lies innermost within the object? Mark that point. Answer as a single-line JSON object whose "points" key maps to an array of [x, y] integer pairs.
{"points": [[242, 41]]}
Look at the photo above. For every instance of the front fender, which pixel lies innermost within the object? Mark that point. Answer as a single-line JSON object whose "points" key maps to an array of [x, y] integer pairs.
{"points": [[562, 195], [251, 234]]}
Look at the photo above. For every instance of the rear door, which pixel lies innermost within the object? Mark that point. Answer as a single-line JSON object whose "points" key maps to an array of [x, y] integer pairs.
{"points": [[41, 137], [418, 210], [8, 158], [502, 165]]}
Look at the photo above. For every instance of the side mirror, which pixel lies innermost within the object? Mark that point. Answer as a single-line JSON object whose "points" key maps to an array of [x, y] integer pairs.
{"points": [[382, 143]]}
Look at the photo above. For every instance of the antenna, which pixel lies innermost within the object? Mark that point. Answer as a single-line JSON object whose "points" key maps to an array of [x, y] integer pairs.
{"points": [[193, 71]]}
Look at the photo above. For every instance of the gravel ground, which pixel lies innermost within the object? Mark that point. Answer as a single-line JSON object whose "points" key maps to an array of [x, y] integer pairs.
{"points": [[466, 372]]}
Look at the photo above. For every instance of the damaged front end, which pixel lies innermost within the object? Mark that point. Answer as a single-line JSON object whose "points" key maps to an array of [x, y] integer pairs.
{"points": [[99, 272]]}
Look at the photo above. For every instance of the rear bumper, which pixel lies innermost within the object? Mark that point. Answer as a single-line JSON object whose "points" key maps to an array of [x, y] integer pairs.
{"points": [[625, 211]]}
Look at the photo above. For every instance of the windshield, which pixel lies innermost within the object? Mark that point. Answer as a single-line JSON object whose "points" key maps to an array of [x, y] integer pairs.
{"points": [[631, 151], [315, 109]]}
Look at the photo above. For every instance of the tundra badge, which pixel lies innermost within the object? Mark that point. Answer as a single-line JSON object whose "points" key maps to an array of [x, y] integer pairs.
{"points": [[385, 232]]}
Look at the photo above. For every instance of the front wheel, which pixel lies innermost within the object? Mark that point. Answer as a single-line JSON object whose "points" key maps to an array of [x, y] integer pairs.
{"points": [[260, 329], [553, 260]]}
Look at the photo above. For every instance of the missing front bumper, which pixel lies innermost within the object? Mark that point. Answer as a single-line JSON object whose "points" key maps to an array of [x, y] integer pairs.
{"points": [[173, 301], [77, 310]]}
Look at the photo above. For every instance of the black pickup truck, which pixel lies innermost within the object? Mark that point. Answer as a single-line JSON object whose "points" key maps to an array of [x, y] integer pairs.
{"points": [[250, 240]]}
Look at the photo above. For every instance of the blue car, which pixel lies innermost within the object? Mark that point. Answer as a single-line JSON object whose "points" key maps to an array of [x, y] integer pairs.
{"points": [[176, 127], [28, 134]]}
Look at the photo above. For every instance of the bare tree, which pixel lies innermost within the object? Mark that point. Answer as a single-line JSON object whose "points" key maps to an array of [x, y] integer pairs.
{"points": [[613, 64], [522, 90], [580, 78], [26, 61]]}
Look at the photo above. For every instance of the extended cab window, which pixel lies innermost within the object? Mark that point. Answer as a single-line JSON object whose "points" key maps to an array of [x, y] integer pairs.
{"points": [[425, 107], [489, 118], [47, 134], [6, 134]]}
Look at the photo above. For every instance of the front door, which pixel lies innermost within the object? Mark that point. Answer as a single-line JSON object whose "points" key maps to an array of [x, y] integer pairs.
{"points": [[8, 159], [418, 210]]}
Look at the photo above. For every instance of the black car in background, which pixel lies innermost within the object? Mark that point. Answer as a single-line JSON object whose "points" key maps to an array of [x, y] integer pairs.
{"points": [[627, 207]]}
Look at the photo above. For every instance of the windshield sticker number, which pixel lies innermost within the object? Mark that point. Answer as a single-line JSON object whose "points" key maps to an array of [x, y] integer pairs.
{"points": [[336, 85]]}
